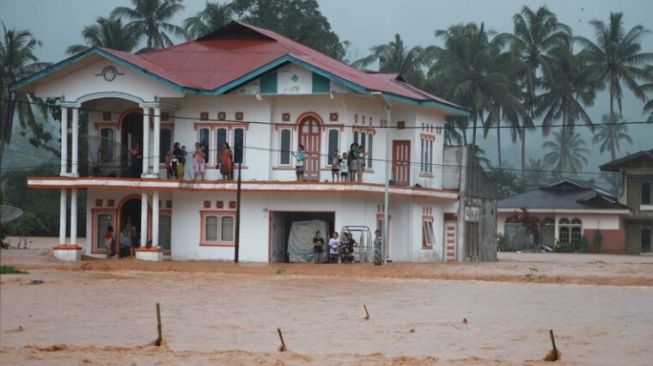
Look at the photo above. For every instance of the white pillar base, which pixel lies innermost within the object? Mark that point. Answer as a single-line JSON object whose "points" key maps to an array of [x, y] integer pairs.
{"points": [[151, 254], [68, 253], [150, 175]]}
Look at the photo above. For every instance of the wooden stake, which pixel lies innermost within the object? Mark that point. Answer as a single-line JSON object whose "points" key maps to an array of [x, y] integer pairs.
{"points": [[159, 340], [283, 344], [553, 342], [367, 315]]}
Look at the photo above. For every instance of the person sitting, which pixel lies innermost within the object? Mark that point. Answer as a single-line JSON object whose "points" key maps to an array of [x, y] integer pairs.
{"points": [[334, 248]]}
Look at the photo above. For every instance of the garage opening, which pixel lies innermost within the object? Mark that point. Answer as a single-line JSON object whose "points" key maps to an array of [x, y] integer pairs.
{"points": [[292, 232]]}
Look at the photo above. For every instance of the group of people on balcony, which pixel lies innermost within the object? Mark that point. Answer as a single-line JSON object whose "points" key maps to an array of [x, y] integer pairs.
{"points": [[346, 168], [349, 167]]}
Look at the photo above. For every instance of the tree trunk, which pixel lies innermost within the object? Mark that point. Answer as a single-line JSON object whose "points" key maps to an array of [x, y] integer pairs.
{"points": [[523, 153], [499, 140], [474, 131]]}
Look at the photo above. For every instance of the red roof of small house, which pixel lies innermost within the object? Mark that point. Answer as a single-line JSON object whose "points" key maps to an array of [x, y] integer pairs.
{"points": [[222, 59]]}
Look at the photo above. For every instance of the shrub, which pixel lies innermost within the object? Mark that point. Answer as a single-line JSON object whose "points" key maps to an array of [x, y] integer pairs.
{"points": [[583, 245], [597, 241], [11, 270]]}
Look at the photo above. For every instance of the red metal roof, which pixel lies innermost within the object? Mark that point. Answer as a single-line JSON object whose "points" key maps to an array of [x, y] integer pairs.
{"points": [[234, 51]]}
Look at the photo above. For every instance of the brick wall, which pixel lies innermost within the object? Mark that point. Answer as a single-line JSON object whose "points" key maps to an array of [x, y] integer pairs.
{"points": [[614, 241]]}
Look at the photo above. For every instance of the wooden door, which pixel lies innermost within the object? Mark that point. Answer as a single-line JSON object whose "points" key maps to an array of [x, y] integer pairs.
{"points": [[450, 241], [401, 162], [309, 136]]}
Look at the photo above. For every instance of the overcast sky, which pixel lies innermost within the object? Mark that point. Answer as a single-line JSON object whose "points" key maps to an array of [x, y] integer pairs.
{"points": [[365, 23]]}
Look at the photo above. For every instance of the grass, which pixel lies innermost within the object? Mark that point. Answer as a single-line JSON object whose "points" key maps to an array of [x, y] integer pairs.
{"points": [[11, 270]]}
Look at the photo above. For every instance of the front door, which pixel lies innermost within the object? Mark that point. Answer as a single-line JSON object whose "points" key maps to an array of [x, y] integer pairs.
{"points": [[645, 239], [401, 162], [309, 136], [450, 241]]}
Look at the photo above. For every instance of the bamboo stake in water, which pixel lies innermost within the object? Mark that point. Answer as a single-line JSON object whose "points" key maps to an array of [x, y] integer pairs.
{"points": [[367, 315], [159, 340], [283, 344]]}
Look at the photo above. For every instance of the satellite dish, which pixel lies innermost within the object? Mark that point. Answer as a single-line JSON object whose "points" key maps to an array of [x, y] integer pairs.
{"points": [[9, 213]]}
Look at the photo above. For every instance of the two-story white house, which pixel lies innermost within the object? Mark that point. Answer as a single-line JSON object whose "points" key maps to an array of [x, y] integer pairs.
{"points": [[243, 84]]}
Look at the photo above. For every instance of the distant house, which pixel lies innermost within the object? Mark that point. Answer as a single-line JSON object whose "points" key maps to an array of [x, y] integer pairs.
{"points": [[637, 173], [567, 209], [254, 88]]}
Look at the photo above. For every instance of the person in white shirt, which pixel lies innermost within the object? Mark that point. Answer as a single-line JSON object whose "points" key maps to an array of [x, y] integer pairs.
{"points": [[334, 248]]}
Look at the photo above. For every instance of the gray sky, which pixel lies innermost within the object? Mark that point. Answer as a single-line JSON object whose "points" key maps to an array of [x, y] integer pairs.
{"points": [[365, 23]]}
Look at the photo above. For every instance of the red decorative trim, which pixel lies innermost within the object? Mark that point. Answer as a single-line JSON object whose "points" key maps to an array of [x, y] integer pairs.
{"points": [[305, 115], [370, 130], [207, 204], [219, 214], [330, 126], [239, 116], [427, 136], [103, 125], [106, 116], [169, 204], [218, 125], [450, 216], [147, 249], [333, 116], [401, 125], [204, 116], [285, 117], [111, 203], [168, 125], [165, 116], [282, 126], [98, 202], [232, 204], [222, 116], [67, 247], [219, 204]]}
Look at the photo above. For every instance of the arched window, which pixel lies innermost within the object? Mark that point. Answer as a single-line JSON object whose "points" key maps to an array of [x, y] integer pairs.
{"points": [[549, 222], [564, 233]]}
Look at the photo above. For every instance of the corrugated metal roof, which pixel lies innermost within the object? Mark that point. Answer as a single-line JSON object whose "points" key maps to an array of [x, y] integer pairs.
{"points": [[237, 50], [640, 158]]}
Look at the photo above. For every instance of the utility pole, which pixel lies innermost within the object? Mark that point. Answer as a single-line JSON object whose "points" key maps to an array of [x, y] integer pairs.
{"points": [[239, 148]]}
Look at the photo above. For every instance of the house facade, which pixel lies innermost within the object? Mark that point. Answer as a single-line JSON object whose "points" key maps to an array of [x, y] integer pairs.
{"points": [[565, 211], [637, 193], [253, 88]]}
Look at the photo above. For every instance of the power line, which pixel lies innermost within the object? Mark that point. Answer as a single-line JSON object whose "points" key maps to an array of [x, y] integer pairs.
{"points": [[361, 125]]}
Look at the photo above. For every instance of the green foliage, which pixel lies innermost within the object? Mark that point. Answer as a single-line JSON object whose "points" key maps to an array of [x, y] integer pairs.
{"points": [[214, 16], [597, 242], [109, 33], [507, 182], [150, 19], [11, 270], [567, 152], [300, 20], [583, 245], [502, 242], [40, 206]]}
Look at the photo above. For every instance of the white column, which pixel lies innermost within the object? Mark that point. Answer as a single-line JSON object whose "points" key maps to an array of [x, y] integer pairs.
{"points": [[62, 216], [143, 240], [146, 141], [74, 158], [64, 141], [157, 141], [73, 216], [155, 219]]}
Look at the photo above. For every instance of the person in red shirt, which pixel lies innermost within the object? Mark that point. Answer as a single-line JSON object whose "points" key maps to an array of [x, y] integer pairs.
{"points": [[109, 241]]}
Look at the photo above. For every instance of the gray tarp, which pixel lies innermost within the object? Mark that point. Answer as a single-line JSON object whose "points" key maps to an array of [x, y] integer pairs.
{"points": [[300, 240]]}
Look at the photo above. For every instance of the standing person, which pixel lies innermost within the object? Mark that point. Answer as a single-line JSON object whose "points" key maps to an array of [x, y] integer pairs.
{"points": [[137, 161], [335, 166], [109, 241], [345, 244], [334, 247], [134, 240], [378, 243], [361, 164], [300, 157], [179, 161], [184, 171], [353, 162], [318, 248], [200, 161], [125, 243], [344, 168], [227, 163], [171, 165]]}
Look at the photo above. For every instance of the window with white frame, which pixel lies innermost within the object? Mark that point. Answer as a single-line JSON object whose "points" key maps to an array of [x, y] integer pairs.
{"points": [[428, 235], [204, 138], [221, 138], [217, 228], [239, 140], [285, 142], [426, 154], [332, 144]]}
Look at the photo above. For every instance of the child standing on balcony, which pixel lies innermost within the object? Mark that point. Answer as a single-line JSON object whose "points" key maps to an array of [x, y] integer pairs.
{"points": [[344, 168], [300, 157], [335, 166], [226, 164], [200, 161]]}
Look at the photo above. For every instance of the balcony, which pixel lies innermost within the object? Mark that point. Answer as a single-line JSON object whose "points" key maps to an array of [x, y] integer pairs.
{"points": [[153, 184]]}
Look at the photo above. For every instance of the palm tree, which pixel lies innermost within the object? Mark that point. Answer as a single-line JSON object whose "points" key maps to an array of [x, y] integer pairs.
{"points": [[567, 152], [472, 71], [108, 33], [610, 133], [213, 16], [17, 61], [616, 57], [534, 34], [648, 87], [455, 131], [150, 18], [395, 57]]}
